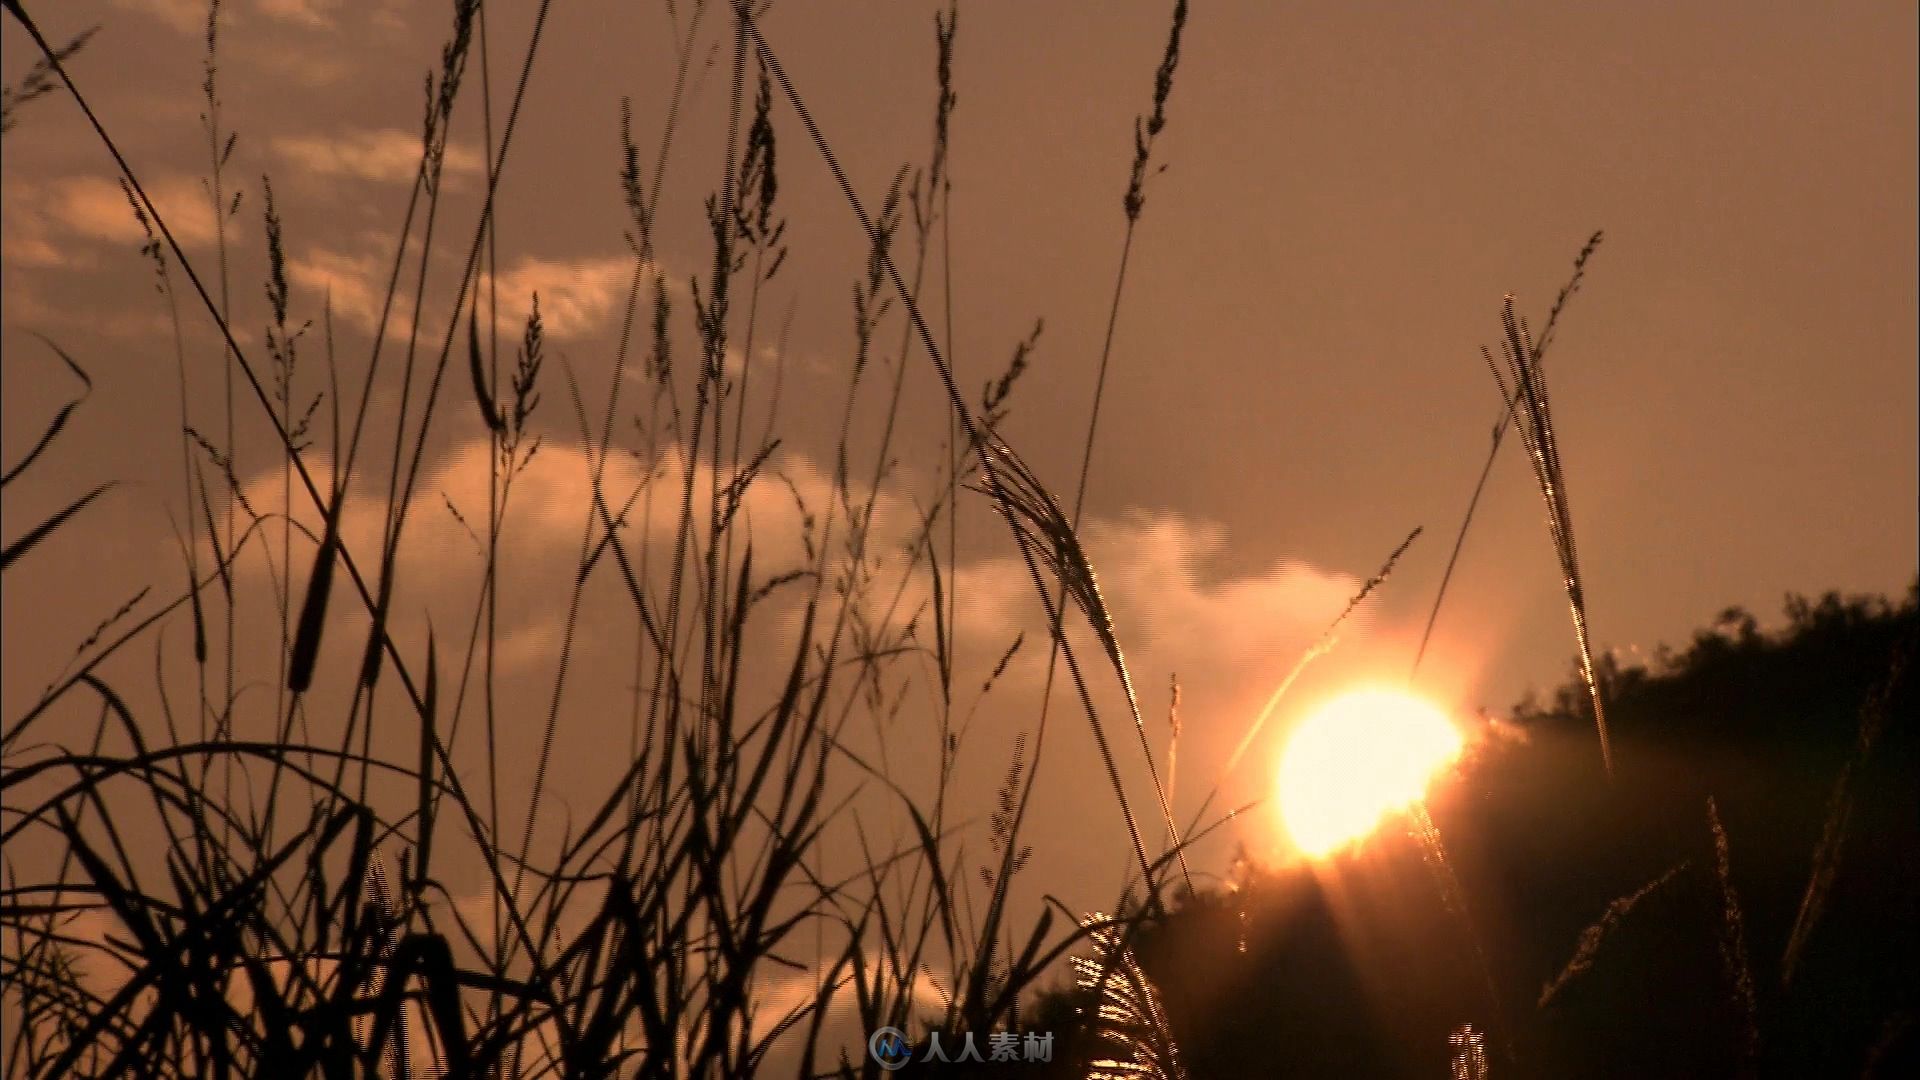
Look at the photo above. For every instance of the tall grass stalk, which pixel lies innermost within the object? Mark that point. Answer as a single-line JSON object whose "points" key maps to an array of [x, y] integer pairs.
{"points": [[1454, 899], [1321, 646], [1524, 389], [1146, 131], [1595, 935], [38, 82], [1500, 426], [1875, 714], [1733, 945]]}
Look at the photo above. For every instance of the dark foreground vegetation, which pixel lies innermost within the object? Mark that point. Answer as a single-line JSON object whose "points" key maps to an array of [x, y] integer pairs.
{"points": [[1738, 901]]}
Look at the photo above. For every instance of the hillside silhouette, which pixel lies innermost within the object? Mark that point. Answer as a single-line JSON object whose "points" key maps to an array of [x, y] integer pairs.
{"points": [[1361, 967]]}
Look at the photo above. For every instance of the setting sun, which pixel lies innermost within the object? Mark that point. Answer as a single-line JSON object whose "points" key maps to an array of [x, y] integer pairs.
{"points": [[1356, 759]]}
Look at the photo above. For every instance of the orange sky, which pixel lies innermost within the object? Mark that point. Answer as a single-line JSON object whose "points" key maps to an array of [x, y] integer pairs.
{"points": [[1296, 381]]}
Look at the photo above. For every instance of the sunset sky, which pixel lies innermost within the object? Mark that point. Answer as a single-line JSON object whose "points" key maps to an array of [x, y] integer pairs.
{"points": [[1296, 381]]}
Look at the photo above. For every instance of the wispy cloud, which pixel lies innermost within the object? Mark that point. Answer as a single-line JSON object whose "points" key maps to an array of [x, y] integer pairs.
{"points": [[1156, 568], [46, 220], [31, 249], [352, 285], [186, 16], [577, 297], [1173, 610], [314, 14], [190, 16], [312, 71], [386, 155], [551, 502]]}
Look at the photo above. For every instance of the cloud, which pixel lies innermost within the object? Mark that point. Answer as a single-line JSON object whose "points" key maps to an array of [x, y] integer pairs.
{"points": [[190, 16], [576, 296], [24, 304], [1229, 636], [185, 16], [390, 16], [1171, 612], [352, 285], [1155, 570], [32, 250], [314, 14], [386, 155], [313, 71], [43, 218], [548, 511]]}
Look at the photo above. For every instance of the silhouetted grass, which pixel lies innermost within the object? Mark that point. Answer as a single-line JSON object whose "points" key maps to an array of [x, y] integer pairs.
{"points": [[279, 943]]}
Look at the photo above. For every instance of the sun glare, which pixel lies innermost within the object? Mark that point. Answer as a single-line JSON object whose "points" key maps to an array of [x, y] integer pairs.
{"points": [[1360, 757]]}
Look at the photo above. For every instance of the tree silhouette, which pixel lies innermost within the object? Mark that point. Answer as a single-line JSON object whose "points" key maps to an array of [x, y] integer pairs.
{"points": [[1805, 739]]}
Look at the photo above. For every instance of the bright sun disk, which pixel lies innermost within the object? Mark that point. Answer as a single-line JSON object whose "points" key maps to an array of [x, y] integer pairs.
{"points": [[1357, 759]]}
